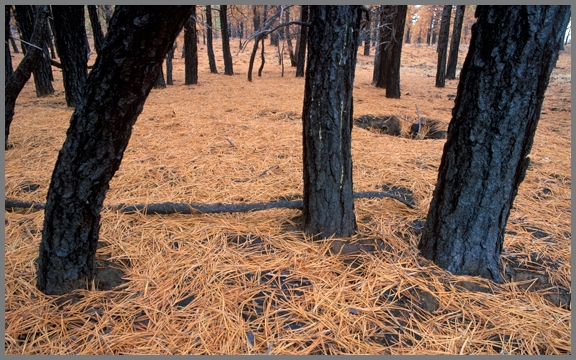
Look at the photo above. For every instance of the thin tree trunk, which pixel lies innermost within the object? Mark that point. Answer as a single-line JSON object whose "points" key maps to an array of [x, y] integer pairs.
{"points": [[211, 58], [8, 69], [368, 38], [190, 43], [262, 58], [96, 139], [96, 28], [497, 107], [443, 46], [160, 83], [293, 61], [169, 58], [304, 9], [328, 207], [455, 42], [228, 67]]}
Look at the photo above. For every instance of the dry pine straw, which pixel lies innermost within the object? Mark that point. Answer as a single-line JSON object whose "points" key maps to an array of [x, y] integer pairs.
{"points": [[192, 144]]}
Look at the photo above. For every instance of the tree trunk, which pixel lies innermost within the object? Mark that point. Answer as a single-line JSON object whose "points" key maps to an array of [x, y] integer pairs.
{"points": [[395, 52], [408, 31], [8, 69], [14, 46], [228, 68], [190, 43], [50, 43], [293, 61], [169, 58], [327, 118], [160, 83], [304, 9], [455, 42], [497, 107], [387, 15], [137, 42], [96, 28], [24, 70], [262, 58], [71, 35], [211, 59], [42, 71], [108, 11], [253, 56], [443, 46], [367, 38]]}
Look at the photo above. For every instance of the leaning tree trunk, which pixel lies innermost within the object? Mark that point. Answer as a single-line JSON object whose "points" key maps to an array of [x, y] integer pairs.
{"points": [[395, 53], [228, 68], [96, 28], [8, 69], [211, 59], [455, 42], [304, 9], [24, 70], [116, 89], [42, 71], [443, 46], [190, 43], [327, 118], [497, 107], [70, 35]]}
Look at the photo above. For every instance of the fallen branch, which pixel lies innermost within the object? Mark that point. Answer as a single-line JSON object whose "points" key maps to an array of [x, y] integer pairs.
{"points": [[192, 208]]}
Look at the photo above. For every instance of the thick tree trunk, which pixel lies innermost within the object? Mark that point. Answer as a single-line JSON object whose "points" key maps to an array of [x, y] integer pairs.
{"points": [[443, 46], [190, 43], [455, 42], [211, 58], [387, 15], [228, 67], [497, 107], [96, 28], [304, 9], [24, 70], [327, 118], [42, 71], [71, 35], [8, 69], [395, 53], [137, 42]]}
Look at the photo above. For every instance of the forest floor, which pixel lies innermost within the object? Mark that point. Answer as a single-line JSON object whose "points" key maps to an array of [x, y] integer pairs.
{"points": [[252, 283]]}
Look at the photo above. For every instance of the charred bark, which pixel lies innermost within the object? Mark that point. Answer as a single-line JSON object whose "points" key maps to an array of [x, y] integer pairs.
{"points": [[211, 59], [304, 9], [443, 46], [228, 67], [96, 28], [191, 45], [327, 121], [497, 107], [169, 58], [116, 89], [70, 34], [395, 52], [8, 69], [455, 42], [160, 83]]}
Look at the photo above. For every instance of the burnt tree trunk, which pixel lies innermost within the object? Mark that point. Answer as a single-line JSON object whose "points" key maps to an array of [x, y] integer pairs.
{"points": [[123, 75], [24, 70], [43, 71], [160, 83], [293, 61], [387, 14], [443, 46], [8, 69], [169, 58], [497, 107], [70, 34], [395, 52], [96, 28], [191, 45], [262, 59], [211, 58], [327, 118], [228, 68], [367, 37], [301, 57], [455, 42], [108, 11]]}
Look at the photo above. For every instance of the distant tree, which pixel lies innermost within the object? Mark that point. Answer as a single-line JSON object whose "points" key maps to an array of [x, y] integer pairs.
{"points": [[497, 107], [70, 36], [96, 28], [443, 46], [8, 69], [211, 59], [190, 44], [327, 121], [24, 70], [117, 87], [455, 42], [293, 61], [367, 37], [169, 58], [301, 57], [42, 72], [228, 67]]}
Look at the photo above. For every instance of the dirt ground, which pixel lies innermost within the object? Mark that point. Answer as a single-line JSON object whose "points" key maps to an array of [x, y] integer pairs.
{"points": [[252, 283]]}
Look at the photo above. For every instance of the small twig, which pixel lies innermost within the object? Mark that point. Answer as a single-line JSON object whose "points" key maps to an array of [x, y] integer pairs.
{"points": [[27, 43], [265, 171], [230, 141], [419, 123], [269, 348]]}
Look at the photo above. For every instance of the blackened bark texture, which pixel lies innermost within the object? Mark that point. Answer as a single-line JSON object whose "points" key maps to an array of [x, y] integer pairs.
{"points": [[96, 28], [8, 69], [24, 70], [108, 11], [327, 117], [190, 43], [211, 58], [116, 89], [160, 83], [407, 36], [455, 42], [367, 37], [49, 37], [395, 52], [228, 67], [293, 61], [497, 107], [387, 14], [42, 72], [443, 46], [51, 26], [70, 34], [262, 58], [169, 58], [304, 9]]}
